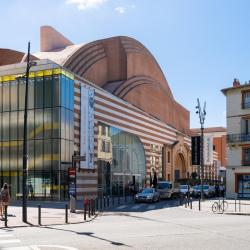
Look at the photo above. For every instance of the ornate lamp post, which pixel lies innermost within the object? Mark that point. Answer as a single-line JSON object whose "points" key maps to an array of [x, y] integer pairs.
{"points": [[202, 114], [25, 150]]}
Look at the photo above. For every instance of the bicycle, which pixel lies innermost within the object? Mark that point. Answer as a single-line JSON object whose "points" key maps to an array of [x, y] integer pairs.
{"points": [[220, 206]]}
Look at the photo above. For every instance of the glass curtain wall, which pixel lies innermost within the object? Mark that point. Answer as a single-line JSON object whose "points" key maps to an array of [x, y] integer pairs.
{"points": [[126, 170], [50, 133]]}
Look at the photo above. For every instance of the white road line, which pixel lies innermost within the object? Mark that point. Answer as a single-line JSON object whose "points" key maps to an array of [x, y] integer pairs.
{"points": [[121, 207], [37, 247], [9, 241], [16, 248], [6, 235], [151, 206], [136, 207]]}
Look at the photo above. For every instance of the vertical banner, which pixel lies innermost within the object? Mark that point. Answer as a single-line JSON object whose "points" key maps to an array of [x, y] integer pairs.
{"points": [[196, 145], [208, 150], [87, 127]]}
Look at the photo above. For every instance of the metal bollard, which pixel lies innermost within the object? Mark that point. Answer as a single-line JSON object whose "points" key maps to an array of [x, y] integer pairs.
{"points": [[89, 208], [199, 204], [239, 205], [39, 214], [104, 201], [96, 206], [235, 203], [100, 203], [188, 200], [191, 204], [66, 213], [85, 211], [185, 202], [5, 216], [108, 201]]}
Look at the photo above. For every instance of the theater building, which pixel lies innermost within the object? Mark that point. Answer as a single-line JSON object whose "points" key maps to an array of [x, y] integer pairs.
{"points": [[108, 101]]}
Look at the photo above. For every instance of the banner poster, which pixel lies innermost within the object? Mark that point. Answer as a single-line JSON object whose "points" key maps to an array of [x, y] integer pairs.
{"points": [[196, 150], [208, 150], [87, 127]]}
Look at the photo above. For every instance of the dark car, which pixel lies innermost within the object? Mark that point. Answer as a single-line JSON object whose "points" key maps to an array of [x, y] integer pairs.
{"points": [[147, 195]]}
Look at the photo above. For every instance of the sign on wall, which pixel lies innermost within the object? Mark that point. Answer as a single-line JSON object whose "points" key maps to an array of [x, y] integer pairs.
{"points": [[196, 145], [87, 127], [208, 150]]}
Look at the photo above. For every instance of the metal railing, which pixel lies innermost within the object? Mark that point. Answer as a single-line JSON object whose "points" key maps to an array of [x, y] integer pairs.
{"points": [[231, 138]]}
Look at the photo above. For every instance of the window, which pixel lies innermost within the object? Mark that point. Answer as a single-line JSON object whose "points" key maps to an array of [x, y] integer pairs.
{"points": [[246, 100], [169, 157], [47, 92], [246, 156], [214, 147], [38, 92]]}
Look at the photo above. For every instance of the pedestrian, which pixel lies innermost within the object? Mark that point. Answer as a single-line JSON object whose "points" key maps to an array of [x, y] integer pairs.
{"points": [[5, 198], [217, 190], [222, 190]]}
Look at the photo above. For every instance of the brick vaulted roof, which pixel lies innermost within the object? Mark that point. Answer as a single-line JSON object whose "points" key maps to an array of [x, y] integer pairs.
{"points": [[122, 66]]}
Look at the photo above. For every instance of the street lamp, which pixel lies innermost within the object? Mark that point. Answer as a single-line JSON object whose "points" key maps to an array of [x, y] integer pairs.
{"points": [[25, 150], [202, 114]]}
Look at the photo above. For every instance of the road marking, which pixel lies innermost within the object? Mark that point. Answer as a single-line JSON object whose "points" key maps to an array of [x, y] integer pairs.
{"points": [[37, 247], [136, 207], [121, 207], [151, 207], [9, 241], [2, 235], [16, 248]]}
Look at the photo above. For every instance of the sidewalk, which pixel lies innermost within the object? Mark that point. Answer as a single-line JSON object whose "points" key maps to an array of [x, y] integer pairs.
{"points": [[241, 207], [52, 213]]}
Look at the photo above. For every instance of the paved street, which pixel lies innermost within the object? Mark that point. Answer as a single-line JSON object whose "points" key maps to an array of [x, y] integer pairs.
{"points": [[137, 226]]}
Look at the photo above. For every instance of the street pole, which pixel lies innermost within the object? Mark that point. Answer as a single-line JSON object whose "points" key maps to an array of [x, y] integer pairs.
{"points": [[202, 114], [25, 149], [25, 155]]}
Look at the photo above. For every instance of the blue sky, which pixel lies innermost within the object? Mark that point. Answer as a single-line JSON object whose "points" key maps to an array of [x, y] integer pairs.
{"points": [[200, 45]]}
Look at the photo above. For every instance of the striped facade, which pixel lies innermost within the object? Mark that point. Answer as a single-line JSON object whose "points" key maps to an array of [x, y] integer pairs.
{"points": [[115, 112]]}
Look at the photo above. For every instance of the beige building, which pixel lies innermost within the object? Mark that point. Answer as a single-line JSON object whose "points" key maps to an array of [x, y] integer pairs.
{"points": [[238, 139]]}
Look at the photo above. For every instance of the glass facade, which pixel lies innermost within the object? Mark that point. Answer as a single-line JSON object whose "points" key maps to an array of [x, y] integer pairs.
{"points": [[124, 167], [50, 133]]}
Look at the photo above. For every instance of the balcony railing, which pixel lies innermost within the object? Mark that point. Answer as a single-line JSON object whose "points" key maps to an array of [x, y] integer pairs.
{"points": [[232, 138]]}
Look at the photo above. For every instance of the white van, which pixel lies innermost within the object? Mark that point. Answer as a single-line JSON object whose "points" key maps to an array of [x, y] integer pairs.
{"points": [[168, 189]]}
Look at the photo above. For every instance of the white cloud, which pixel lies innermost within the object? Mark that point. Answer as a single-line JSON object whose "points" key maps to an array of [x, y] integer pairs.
{"points": [[120, 9], [86, 4]]}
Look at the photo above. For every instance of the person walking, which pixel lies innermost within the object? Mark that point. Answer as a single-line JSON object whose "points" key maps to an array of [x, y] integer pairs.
{"points": [[5, 198]]}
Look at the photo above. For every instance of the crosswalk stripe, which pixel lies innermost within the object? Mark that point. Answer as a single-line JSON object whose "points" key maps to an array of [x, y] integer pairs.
{"points": [[6, 235], [9, 241], [135, 207], [151, 206], [16, 248], [121, 207]]}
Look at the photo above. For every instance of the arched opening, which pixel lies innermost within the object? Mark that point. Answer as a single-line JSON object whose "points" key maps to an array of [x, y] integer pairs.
{"points": [[180, 168]]}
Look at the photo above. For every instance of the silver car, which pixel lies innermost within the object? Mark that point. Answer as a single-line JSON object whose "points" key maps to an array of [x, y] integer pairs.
{"points": [[147, 195]]}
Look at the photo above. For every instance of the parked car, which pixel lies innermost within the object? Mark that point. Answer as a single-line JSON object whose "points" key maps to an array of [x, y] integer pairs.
{"points": [[147, 195], [184, 190], [207, 190], [168, 189]]}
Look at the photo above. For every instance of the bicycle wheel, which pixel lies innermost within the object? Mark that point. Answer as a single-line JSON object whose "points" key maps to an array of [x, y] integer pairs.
{"points": [[224, 206], [215, 207]]}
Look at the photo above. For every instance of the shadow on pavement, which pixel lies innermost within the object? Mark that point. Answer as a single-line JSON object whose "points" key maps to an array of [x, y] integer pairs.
{"points": [[88, 234]]}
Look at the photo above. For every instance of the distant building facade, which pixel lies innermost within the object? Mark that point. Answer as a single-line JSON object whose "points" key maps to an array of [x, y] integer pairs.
{"points": [[215, 171], [107, 100], [238, 139]]}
